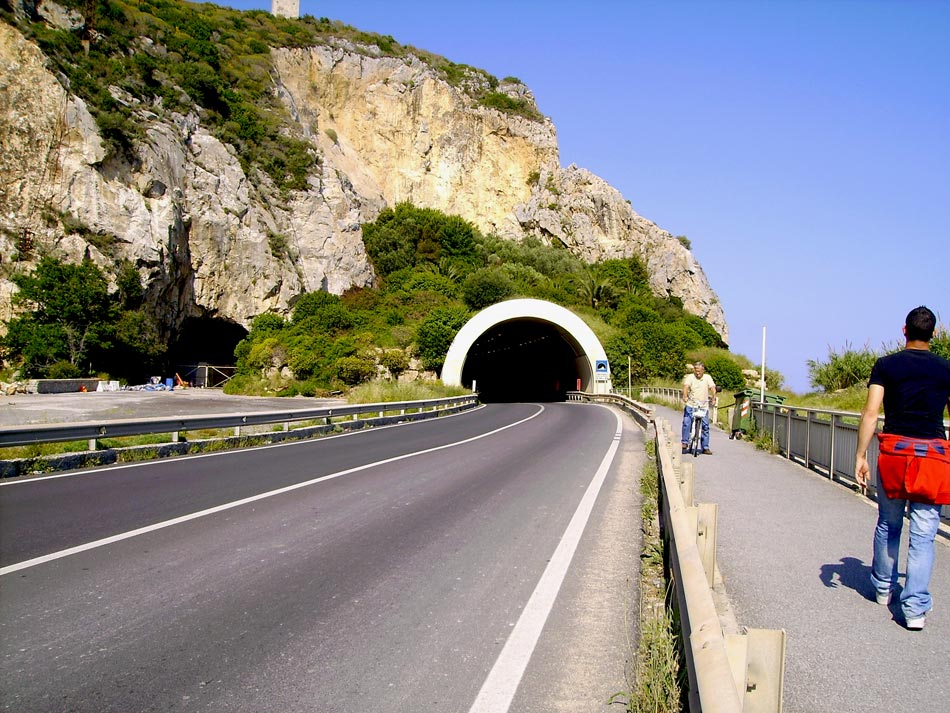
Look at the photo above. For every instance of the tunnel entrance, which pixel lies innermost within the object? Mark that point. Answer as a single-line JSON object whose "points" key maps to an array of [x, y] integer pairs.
{"points": [[526, 350], [521, 360], [206, 342]]}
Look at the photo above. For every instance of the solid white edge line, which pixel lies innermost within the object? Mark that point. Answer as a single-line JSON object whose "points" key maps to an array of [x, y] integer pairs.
{"points": [[498, 690], [229, 452], [237, 503]]}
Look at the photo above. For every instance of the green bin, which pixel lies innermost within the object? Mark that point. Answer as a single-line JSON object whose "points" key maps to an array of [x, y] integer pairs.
{"points": [[742, 420]]}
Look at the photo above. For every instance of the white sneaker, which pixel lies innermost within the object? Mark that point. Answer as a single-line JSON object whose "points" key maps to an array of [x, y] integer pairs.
{"points": [[883, 598], [917, 623]]}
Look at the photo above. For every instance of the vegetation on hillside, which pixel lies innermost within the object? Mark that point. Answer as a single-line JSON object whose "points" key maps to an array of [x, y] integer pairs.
{"points": [[73, 326], [435, 271], [168, 55], [845, 369]]}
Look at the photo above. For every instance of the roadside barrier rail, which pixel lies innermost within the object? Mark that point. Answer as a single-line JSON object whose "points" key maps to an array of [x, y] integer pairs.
{"points": [[727, 673], [643, 414], [94, 430], [821, 440]]}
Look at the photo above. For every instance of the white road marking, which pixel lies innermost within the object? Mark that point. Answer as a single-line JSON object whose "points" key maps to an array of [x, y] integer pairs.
{"points": [[230, 452], [237, 503], [499, 688]]}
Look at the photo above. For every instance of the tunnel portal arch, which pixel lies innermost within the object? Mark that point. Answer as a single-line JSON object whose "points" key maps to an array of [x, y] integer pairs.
{"points": [[526, 348]]}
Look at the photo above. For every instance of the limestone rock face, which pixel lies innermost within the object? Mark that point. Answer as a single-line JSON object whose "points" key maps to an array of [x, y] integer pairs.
{"points": [[211, 241]]}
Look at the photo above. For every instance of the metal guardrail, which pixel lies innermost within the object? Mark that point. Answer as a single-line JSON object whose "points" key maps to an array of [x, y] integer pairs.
{"points": [[642, 413], [94, 430], [734, 673], [821, 440]]}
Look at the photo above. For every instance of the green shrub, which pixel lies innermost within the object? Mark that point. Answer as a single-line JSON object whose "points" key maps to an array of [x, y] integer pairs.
{"points": [[842, 370], [485, 287], [310, 303], [63, 370], [395, 360], [435, 335], [725, 372], [353, 370]]}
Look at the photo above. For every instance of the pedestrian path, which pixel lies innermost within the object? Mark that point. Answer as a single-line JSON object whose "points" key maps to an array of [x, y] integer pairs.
{"points": [[794, 552]]}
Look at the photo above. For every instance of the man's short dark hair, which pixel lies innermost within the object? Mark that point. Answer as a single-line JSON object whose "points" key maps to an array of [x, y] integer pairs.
{"points": [[920, 324]]}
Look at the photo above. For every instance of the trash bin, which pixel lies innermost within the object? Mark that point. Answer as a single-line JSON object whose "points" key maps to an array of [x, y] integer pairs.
{"points": [[742, 420], [742, 413]]}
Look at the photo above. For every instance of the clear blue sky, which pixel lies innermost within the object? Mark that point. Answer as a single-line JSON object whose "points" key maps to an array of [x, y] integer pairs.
{"points": [[803, 147]]}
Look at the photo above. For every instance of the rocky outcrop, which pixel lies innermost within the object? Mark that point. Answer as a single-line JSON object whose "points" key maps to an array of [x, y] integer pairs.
{"points": [[213, 241]]}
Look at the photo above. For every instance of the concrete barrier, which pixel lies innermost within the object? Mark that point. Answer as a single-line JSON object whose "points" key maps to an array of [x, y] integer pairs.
{"points": [[63, 386]]}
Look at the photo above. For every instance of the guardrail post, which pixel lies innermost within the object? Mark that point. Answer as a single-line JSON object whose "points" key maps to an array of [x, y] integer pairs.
{"points": [[174, 436], [237, 431], [757, 660], [703, 521], [831, 456], [286, 426], [92, 444], [788, 434], [808, 439], [686, 475]]}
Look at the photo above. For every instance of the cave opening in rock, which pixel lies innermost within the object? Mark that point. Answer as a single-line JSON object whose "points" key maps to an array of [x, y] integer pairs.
{"points": [[203, 354], [522, 360]]}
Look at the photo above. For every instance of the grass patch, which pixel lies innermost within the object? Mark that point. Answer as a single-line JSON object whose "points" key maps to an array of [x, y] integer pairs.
{"points": [[659, 685], [376, 392]]}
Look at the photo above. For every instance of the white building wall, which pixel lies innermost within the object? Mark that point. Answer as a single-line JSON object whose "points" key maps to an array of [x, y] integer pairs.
{"points": [[285, 8]]}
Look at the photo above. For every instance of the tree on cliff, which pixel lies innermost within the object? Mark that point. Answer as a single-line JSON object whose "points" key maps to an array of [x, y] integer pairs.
{"points": [[73, 326], [69, 319]]}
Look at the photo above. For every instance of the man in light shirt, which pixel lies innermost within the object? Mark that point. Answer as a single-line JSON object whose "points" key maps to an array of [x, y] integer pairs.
{"points": [[698, 389]]}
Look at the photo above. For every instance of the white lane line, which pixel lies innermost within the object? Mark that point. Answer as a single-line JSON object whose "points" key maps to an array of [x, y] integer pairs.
{"points": [[230, 452], [499, 688], [237, 503]]}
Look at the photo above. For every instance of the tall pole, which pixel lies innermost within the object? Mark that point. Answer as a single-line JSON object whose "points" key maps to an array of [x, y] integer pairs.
{"points": [[629, 385], [762, 388]]}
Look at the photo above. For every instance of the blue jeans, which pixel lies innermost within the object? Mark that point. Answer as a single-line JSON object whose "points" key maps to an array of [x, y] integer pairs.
{"points": [[924, 521], [688, 425]]}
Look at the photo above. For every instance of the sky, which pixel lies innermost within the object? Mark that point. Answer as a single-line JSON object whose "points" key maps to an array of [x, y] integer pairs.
{"points": [[802, 147]]}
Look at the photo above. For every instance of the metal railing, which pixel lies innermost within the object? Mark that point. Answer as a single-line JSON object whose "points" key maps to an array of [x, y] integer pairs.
{"points": [[821, 440], [642, 413], [91, 431]]}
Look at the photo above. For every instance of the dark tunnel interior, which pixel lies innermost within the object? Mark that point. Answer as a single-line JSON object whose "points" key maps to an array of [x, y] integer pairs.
{"points": [[205, 341], [522, 360]]}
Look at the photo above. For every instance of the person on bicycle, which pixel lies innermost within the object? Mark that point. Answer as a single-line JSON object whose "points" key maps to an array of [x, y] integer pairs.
{"points": [[698, 389]]}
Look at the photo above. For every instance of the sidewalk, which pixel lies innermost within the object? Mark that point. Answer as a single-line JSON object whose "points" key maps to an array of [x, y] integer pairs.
{"points": [[794, 552]]}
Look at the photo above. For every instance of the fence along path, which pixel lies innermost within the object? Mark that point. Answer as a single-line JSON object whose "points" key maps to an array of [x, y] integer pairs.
{"points": [[794, 553]]}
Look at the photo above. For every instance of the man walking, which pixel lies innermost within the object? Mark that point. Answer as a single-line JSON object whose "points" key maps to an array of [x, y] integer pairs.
{"points": [[699, 389], [914, 463]]}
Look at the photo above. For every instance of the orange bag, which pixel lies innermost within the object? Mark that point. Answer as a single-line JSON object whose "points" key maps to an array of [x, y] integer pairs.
{"points": [[915, 469]]}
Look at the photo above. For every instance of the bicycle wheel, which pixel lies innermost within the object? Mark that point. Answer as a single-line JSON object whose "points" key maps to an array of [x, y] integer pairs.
{"points": [[694, 443]]}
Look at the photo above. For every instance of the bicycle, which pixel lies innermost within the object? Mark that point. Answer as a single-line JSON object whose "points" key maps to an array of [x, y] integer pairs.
{"points": [[696, 430]]}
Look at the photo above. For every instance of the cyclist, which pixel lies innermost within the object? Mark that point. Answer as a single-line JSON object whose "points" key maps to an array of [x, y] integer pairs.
{"points": [[698, 389]]}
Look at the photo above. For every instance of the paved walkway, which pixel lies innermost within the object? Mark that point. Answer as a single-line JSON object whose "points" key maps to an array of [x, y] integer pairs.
{"points": [[794, 551]]}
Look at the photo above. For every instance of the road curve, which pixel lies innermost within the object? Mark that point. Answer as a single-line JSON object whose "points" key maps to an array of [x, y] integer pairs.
{"points": [[336, 585]]}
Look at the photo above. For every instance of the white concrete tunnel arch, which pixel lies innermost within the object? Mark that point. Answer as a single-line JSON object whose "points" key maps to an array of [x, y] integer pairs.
{"points": [[591, 359]]}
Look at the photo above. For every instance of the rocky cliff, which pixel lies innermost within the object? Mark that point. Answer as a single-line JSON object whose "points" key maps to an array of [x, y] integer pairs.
{"points": [[212, 242]]}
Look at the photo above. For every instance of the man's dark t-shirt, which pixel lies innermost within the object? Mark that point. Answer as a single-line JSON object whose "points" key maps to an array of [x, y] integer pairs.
{"points": [[916, 389]]}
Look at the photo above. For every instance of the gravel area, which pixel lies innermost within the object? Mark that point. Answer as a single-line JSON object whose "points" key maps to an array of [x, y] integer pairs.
{"points": [[25, 409]]}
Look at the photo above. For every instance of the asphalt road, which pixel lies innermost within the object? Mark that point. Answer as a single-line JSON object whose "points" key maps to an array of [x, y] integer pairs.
{"points": [[382, 570]]}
